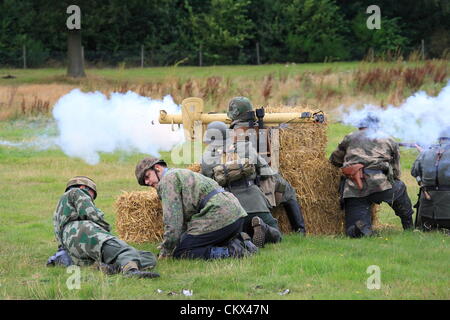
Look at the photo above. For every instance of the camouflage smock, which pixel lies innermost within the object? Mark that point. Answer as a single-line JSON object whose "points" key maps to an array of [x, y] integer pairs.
{"points": [[374, 153], [434, 173], [80, 227], [181, 192]]}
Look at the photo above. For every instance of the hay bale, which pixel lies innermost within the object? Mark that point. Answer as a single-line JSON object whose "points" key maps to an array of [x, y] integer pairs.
{"points": [[139, 216], [303, 163]]}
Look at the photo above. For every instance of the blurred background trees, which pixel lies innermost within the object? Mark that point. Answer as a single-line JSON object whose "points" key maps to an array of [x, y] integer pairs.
{"points": [[221, 31]]}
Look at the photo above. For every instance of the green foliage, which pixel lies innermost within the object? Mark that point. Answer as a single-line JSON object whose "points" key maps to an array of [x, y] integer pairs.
{"points": [[226, 31], [316, 29]]}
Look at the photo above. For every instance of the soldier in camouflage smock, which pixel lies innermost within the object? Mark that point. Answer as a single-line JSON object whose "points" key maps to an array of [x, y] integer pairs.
{"points": [[432, 171], [81, 230], [201, 220], [379, 155]]}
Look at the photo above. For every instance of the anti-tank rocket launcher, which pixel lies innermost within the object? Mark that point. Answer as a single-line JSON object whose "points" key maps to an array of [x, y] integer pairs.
{"points": [[259, 124]]}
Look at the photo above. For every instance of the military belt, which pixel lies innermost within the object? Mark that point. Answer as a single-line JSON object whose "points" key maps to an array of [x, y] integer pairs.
{"points": [[437, 188], [209, 196]]}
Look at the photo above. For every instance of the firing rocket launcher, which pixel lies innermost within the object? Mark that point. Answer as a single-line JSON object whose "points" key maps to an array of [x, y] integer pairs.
{"points": [[192, 115], [194, 122]]}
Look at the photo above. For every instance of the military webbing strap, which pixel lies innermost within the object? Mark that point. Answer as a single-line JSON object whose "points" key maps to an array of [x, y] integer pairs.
{"points": [[209, 196]]}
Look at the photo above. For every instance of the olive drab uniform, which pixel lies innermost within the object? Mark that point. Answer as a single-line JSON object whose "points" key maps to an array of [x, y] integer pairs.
{"points": [[381, 179], [432, 170], [196, 214], [80, 228]]}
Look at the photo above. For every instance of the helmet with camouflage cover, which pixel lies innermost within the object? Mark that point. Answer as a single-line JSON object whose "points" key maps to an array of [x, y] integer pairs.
{"points": [[82, 181], [144, 165], [445, 133], [238, 108], [216, 133]]}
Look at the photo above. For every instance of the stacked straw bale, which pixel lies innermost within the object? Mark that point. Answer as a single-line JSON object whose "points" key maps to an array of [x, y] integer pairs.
{"points": [[303, 163]]}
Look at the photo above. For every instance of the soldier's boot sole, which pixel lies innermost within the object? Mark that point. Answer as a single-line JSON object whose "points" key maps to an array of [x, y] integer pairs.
{"points": [[259, 232]]}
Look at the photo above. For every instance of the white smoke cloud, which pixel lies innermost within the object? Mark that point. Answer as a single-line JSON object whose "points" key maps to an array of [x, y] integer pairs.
{"points": [[420, 118], [89, 123]]}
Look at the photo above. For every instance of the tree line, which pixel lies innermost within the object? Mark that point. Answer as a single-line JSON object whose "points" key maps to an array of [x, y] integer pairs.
{"points": [[221, 31]]}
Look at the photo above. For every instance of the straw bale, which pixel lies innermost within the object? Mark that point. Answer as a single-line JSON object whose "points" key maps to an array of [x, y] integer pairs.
{"points": [[303, 163], [139, 216]]}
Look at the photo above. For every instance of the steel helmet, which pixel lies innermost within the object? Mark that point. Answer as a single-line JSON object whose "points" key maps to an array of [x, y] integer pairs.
{"points": [[238, 108], [82, 181], [216, 133], [144, 165]]}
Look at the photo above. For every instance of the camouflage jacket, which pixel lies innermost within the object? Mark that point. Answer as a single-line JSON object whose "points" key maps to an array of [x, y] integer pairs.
{"points": [[80, 227], [375, 153], [181, 192]]}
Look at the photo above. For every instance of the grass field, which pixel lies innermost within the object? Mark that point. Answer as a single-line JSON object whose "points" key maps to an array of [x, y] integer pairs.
{"points": [[413, 265]]}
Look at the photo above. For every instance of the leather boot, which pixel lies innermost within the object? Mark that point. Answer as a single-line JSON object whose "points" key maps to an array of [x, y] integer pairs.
{"points": [[236, 248], [295, 216], [131, 269], [407, 222], [263, 233], [362, 229], [248, 244], [219, 253]]}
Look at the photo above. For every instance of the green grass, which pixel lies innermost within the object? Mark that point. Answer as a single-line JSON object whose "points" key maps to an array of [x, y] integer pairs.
{"points": [[141, 75], [414, 265]]}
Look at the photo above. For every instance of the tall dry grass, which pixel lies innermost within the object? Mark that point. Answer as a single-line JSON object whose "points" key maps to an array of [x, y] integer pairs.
{"points": [[377, 84]]}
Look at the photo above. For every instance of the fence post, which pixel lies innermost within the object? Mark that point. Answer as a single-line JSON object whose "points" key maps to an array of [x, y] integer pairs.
{"points": [[142, 56], [200, 55], [24, 55], [258, 60]]}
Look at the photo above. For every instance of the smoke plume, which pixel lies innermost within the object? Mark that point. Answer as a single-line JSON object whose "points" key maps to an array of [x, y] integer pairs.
{"points": [[421, 118], [89, 123]]}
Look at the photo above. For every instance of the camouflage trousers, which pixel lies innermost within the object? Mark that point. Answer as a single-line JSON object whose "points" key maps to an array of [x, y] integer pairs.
{"points": [[119, 253], [87, 243]]}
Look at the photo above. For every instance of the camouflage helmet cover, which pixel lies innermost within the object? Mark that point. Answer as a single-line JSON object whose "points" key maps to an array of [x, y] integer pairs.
{"points": [[144, 165], [216, 133], [82, 181], [238, 108]]}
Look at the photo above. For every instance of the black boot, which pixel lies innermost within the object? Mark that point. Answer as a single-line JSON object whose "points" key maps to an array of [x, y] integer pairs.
{"points": [[263, 233], [248, 244], [407, 222], [363, 229], [295, 216]]}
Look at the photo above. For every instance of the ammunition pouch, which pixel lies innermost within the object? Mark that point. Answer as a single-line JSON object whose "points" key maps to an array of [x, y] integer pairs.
{"points": [[354, 173], [233, 171]]}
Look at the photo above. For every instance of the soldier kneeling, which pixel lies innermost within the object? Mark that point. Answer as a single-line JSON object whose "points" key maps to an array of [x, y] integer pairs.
{"points": [[84, 236]]}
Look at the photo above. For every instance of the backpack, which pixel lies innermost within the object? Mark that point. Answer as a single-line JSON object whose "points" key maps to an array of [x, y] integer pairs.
{"points": [[232, 169]]}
